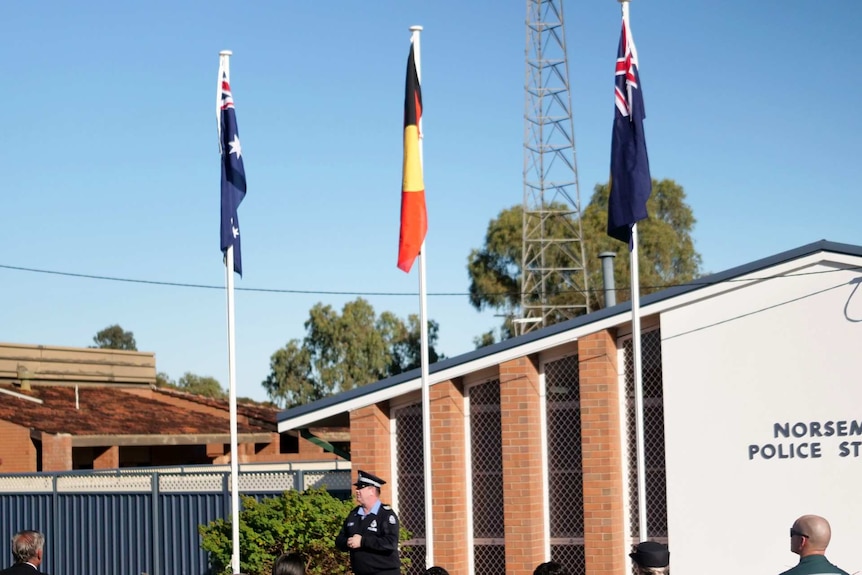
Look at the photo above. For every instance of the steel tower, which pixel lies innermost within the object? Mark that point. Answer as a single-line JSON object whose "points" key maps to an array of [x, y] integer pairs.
{"points": [[554, 274]]}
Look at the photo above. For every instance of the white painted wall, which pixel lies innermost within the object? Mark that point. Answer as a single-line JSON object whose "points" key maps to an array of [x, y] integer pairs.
{"points": [[781, 350]]}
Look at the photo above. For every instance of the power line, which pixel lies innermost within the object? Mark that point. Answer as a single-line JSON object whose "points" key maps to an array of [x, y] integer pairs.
{"points": [[702, 283]]}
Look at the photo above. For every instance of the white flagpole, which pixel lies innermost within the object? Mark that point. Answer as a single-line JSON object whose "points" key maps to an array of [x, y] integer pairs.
{"points": [[423, 331], [639, 391], [637, 364], [224, 71]]}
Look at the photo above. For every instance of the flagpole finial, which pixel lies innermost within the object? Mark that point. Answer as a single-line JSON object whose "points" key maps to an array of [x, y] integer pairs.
{"points": [[415, 28], [226, 53]]}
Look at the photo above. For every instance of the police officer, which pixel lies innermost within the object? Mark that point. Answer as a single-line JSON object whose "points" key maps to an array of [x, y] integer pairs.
{"points": [[370, 532]]}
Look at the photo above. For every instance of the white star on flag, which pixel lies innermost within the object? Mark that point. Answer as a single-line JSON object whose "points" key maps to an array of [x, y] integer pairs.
{"points": [[235, 147]]}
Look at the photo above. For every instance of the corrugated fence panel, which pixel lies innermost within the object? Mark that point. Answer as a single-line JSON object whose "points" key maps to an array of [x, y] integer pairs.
{"points": [[180, 514], [20, 511], [103, 533], [133, 522]]}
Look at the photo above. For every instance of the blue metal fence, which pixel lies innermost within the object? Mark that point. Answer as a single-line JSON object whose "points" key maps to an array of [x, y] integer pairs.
{"points": [[139, 521]]}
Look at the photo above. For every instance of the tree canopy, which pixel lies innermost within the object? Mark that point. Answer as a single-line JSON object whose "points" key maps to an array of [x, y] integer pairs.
{"points": [[192, 383], [666, 254], [114, 337], [201, 385], [344, 351]]}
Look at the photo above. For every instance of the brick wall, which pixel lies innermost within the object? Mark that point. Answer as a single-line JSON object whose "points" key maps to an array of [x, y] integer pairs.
{"points": [[520, 416], [56, 452], [106, 457], [449, 474], [17, 452], [523, 467], [604, 525], [370, 444]]}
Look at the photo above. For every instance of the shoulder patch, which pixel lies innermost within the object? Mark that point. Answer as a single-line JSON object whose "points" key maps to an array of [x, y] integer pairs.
{"points": [[392, 519]]}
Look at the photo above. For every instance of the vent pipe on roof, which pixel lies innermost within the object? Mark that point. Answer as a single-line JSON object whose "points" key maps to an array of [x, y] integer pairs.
{"points": [[608, 278], [77, 404], [24, 376]]}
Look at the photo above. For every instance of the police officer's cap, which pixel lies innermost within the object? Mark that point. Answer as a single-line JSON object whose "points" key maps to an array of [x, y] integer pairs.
{"points": [[366, 479], [651, 554]]}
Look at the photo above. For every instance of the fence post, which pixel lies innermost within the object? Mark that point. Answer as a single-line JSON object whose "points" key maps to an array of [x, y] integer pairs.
{"points": [[55, 521], [156, 566]]}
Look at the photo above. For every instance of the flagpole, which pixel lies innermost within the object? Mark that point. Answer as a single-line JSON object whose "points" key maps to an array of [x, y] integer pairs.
{"points": [[639, 392], [423, 339], [224, 68], [637, 360]]}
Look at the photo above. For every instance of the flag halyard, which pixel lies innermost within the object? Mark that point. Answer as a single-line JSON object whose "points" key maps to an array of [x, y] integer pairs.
{"points": [[630, 181], [233, 186], [414, 217]]}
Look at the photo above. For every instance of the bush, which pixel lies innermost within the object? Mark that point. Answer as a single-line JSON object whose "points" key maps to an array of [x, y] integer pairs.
{"points": [[304, 522]]}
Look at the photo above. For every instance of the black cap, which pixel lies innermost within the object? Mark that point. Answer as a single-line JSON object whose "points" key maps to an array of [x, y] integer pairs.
{"points": [[651, 554], [366, 479]]}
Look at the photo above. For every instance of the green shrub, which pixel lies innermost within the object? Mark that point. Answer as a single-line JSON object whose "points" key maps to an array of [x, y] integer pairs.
{"points": [[303, 522]]}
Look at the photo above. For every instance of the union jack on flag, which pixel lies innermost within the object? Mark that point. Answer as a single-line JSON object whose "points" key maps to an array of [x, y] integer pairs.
{"points": [[630, 181], [232, 175], [626, 77]]}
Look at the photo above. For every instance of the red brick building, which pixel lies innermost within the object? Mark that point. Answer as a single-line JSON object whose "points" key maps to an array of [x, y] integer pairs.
{"points": [[78, 408], [533, 439]]}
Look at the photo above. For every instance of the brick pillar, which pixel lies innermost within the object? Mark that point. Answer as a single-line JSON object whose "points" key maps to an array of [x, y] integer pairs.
{"points": [[449, 474], [604, 518], [265, 451], [17, 452], [524, 511], [106, 457], [245, 452], [216, 451], [56, 452], [371, 445]]}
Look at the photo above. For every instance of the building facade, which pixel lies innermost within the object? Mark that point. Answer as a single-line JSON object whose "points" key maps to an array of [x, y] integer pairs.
{"points": [[533, 439]]}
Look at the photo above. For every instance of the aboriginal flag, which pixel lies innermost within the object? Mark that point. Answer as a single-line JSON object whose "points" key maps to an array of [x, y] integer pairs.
{"points": [[414, 218]]}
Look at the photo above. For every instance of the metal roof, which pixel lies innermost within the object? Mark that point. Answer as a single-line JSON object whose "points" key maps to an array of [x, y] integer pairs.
{"points": [[618, 314]]}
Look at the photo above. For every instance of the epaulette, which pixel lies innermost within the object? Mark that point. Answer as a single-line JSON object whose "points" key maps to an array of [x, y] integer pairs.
{"points": [[387, 507]]}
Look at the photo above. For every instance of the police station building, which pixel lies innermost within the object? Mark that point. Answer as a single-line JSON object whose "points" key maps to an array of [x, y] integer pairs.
{"points": [[752, 383]]}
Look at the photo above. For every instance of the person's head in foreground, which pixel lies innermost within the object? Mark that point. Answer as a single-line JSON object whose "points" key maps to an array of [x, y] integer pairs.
{"points": [[27, 547], [810, 535], [651, 558], [289, 564], [550, 568]]}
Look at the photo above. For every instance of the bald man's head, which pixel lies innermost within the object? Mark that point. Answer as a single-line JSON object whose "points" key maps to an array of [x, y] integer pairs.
{"points": [[813, 533]]}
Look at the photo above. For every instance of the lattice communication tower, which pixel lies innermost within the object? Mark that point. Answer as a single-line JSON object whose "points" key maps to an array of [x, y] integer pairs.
{"points": [[554, 275]]}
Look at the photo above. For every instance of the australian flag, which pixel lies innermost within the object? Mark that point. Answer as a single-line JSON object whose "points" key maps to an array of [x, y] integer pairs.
{"points": [[232, 176], [630, 181]]}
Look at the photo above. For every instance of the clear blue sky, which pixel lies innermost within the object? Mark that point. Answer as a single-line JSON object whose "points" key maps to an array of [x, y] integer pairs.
{"points": [[110, 161]]}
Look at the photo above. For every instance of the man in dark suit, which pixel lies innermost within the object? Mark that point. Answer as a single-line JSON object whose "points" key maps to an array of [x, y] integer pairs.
{"points": [[27, 552]]}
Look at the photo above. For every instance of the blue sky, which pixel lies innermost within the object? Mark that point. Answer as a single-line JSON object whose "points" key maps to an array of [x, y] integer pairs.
{"points": [[111, 167]]}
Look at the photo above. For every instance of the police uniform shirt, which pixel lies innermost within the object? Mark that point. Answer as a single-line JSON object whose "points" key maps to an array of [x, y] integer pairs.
{"points": [[378, 551], [814, 564]]}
